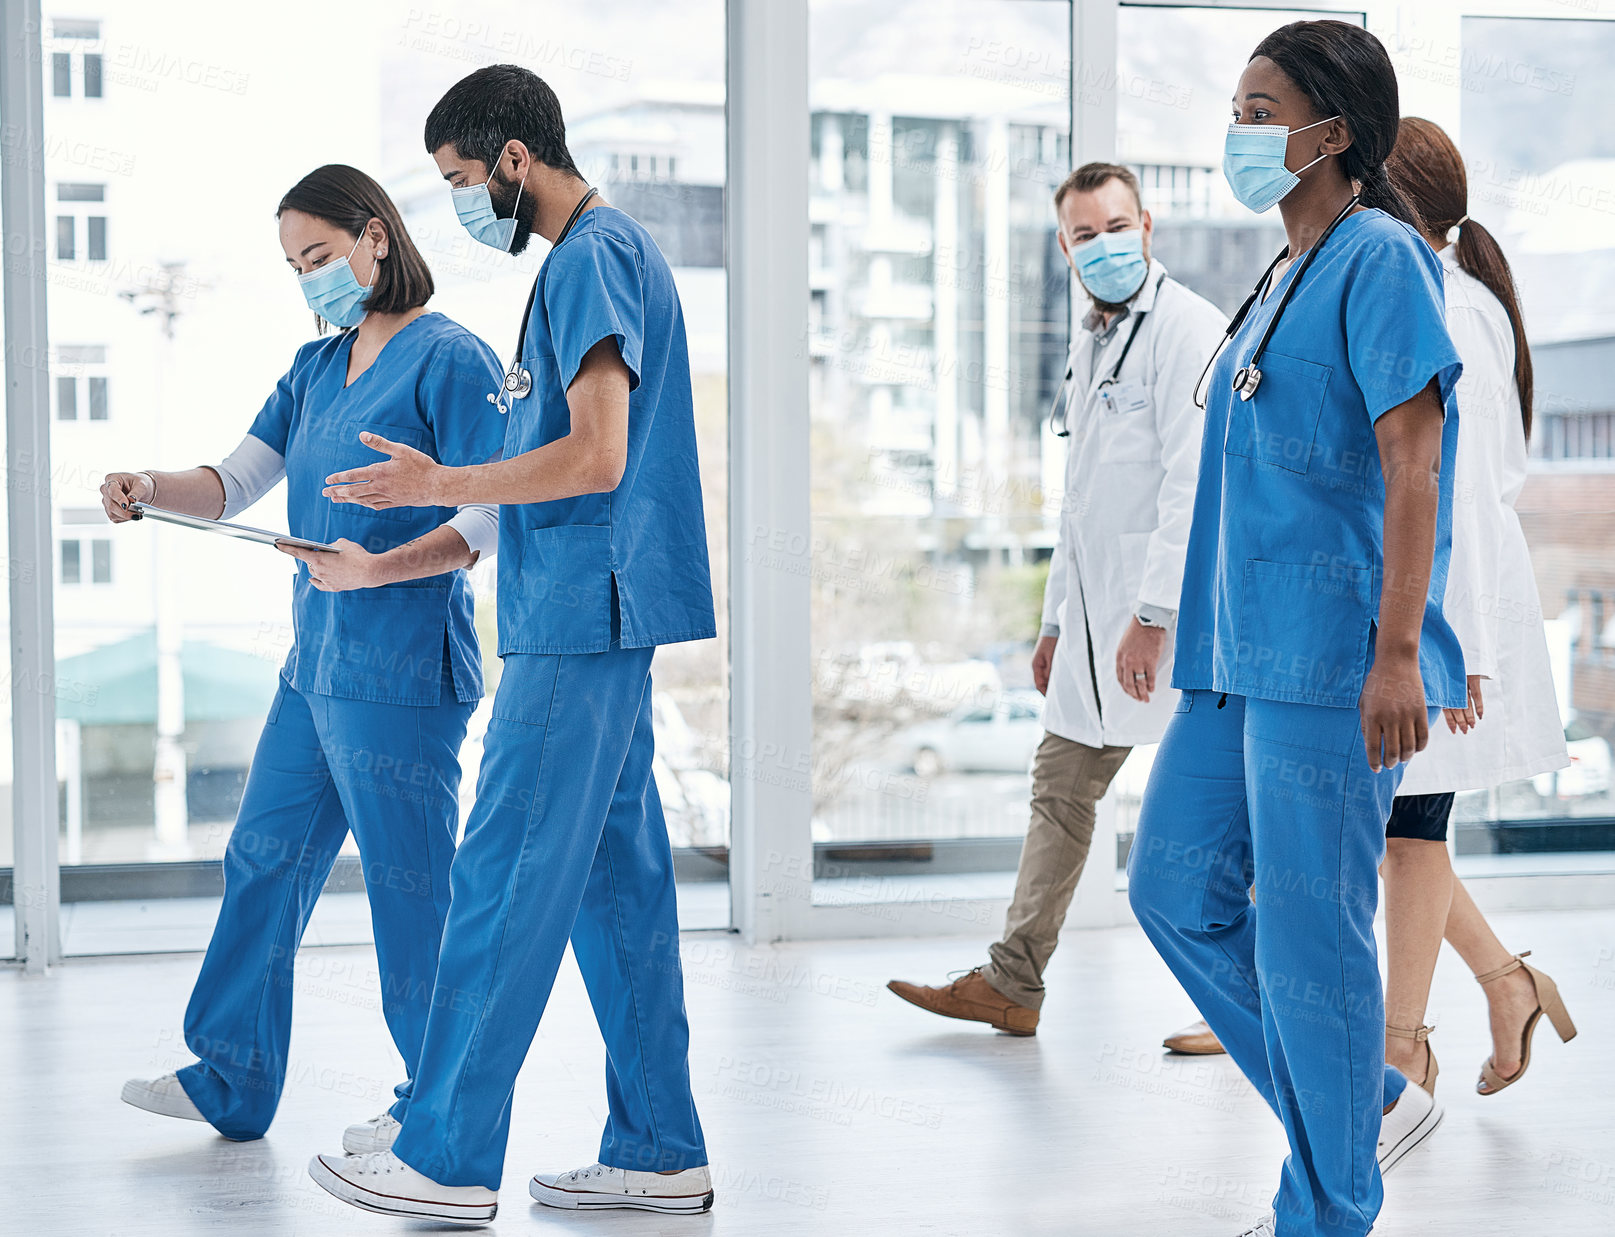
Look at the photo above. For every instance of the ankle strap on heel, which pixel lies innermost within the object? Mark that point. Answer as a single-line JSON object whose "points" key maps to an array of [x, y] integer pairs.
{"points": [[1508, 968], [1419, 1034]]}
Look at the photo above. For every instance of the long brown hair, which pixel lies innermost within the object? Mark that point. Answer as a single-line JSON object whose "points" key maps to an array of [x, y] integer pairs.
{"points": [[1428, 169]]}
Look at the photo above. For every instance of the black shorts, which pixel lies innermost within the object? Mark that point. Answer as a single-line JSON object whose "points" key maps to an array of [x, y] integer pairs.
{"points": [[1420, 816]]}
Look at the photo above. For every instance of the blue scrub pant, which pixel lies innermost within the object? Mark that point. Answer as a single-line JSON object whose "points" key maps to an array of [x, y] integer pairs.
{"points": [[324, 765], [566, 839], [1277, 797]]}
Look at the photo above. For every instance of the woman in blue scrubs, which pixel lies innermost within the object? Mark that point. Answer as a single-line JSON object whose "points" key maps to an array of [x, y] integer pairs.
{"points": [[365, 729], [1311, 645]]}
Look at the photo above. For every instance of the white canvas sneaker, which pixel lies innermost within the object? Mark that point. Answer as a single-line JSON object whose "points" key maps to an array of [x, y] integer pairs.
{"points": [[1265, 1227], [164, 1096], [376, 1134], [598, 1186], [383, 1183], [1413, 1119]]}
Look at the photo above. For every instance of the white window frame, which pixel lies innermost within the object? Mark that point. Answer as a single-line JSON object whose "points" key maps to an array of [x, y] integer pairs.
{"points": [[36, 885]]}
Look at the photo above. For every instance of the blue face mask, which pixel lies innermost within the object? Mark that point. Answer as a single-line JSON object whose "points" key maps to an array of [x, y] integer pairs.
{"points": [[474, 205], [335, 293], [1111, 265], [1253, 162]]}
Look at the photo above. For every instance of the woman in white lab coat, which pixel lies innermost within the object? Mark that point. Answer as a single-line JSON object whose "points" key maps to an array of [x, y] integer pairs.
{"points": [[1512, 728]]}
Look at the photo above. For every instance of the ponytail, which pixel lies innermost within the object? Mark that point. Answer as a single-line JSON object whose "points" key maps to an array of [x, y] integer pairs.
{"points": [[1482, 257], [1426, 168]]}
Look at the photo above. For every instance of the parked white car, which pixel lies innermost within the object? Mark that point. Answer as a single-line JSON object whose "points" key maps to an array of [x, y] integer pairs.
{"points": [[1589, 769], [976, 739]]}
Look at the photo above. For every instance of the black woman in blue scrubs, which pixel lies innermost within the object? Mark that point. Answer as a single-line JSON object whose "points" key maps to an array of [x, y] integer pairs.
{"points": [[1311, 644]]}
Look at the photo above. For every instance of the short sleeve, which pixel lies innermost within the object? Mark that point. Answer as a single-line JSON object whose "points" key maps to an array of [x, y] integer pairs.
{"points": [[273, 424], [454, 387], [1396, 328], [594, 290]]}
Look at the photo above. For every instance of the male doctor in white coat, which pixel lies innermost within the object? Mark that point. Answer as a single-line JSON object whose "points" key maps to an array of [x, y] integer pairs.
{"points": [[1104, 654]]}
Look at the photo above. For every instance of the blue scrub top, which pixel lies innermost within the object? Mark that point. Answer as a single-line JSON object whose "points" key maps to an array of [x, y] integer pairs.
{"points": [[428, 388], [560, 560], [1281, 589]]}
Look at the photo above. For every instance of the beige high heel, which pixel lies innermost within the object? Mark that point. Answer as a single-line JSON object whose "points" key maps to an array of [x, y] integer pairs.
{"points": [[1422, 1035], [1548, 1001]]}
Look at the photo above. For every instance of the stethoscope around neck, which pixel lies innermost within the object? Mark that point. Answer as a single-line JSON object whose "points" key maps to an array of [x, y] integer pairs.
{"points": [[1249, 376], [518, 383], [1057, 414]]}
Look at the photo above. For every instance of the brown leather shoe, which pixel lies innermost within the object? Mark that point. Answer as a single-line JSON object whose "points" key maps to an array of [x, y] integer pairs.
{"points": [[973, 999], [1195, 1040]]}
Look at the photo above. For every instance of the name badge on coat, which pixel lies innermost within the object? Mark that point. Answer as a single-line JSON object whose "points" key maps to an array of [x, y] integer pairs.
{"points": [[1121, 398]]}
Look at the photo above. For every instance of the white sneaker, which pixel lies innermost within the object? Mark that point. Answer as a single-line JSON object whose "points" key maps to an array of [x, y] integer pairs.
{"points": [[598, 1186], [383, 1183], [164, 1096], [1267, 1226], [376, 1134], [1412, 1119]]}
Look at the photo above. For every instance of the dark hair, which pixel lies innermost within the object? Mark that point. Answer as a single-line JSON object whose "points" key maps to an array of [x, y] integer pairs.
{"points": [[494, 105], [346, 198], [1427, 167], [1091, 176], [1344, 71]]}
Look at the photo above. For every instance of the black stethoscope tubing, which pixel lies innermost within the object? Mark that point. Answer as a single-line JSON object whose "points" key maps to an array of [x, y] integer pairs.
{"points": [[1115, 370], [1249, 377], [518, 382]]}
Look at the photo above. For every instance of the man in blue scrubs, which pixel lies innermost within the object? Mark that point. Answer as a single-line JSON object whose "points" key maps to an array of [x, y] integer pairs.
{"points": [[602, 557]]}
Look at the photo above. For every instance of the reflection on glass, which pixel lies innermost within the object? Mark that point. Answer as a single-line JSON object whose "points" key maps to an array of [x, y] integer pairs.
{"points": [[938, 328], [1536, 99]]}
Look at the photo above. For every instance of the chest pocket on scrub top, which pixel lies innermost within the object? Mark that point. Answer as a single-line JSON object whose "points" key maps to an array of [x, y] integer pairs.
{"points": [[348, 452], [1280, 425]]}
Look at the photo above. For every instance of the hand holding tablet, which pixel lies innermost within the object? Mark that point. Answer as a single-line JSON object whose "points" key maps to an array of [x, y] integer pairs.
{"points": [[139, 510]]}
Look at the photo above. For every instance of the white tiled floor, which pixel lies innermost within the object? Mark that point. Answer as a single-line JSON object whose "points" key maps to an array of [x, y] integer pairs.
{"points": [[831, 1107]]}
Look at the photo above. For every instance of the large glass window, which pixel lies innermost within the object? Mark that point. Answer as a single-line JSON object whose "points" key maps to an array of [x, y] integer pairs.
{"points": [[939, 318], [642, 89], [1541, 159], [1180, 65], [194, 317]]}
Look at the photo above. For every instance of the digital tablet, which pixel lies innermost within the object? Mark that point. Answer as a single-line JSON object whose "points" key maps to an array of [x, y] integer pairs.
{"points": [[141, 511]]}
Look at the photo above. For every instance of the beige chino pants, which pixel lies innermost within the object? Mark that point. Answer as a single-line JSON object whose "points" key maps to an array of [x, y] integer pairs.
{"points": [[1068, 780]]}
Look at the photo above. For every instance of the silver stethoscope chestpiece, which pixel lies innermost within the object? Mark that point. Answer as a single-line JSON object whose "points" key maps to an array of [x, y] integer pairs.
{"points": [[517, 384], [1246, 381]]}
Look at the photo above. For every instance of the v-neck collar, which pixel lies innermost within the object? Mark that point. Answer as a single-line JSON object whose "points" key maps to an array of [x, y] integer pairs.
{"points": [[347, 352], [1302, 256]]}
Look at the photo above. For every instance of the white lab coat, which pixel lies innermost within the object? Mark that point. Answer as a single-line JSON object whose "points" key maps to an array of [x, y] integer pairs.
{"points": [[1124, 519], [1491, 600]]}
